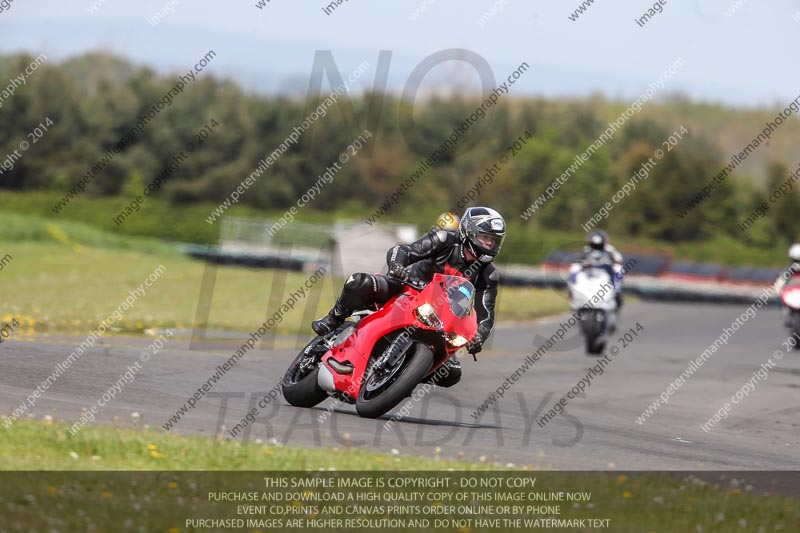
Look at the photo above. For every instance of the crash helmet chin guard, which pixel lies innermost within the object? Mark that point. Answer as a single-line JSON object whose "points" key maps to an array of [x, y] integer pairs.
{"points": [[481, 232]]}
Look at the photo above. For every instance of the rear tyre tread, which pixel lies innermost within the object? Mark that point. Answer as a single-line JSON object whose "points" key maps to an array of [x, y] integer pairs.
{"points": [[306, 392]]}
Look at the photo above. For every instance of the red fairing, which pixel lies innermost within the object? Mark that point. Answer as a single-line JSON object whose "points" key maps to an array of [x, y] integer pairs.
{"points": [[790, 296], [395, 315]]}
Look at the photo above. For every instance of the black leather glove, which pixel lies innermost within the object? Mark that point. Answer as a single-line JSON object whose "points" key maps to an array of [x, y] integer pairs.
{"points": [[475, 345], [398, 272]]}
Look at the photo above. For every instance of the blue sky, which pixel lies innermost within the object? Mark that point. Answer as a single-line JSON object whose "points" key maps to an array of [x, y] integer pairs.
{"points": [[743, 59]]}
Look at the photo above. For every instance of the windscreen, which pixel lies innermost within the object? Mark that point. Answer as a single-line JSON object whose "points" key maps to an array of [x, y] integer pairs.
{"points": [[460, 294]]}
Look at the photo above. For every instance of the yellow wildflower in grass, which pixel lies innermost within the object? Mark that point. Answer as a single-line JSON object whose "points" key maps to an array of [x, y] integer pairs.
{"points": [[57, 233], [172, 485], [463, 529], [151, 447], [155, 455], [627, 494], [297, 503], [174, 530], [734, 492], [621, 479], [269, 452], [105, 494], [51, 490]]}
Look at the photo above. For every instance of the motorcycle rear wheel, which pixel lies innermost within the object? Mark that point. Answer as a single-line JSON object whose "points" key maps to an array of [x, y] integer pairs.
{"points": [[299, 384]]}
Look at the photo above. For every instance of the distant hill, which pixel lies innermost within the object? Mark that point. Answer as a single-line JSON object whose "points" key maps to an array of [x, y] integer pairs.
{"points": [[96, 102]]}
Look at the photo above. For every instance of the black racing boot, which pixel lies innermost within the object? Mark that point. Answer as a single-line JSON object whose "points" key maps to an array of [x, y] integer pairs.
{"points": [[359, 292], [331, 321]]}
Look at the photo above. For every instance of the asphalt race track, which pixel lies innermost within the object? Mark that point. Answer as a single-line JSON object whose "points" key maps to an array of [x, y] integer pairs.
{"points": [[598, 432]]}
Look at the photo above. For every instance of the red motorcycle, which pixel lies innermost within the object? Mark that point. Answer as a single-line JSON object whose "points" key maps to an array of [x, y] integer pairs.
{"points": [[377, 360]]}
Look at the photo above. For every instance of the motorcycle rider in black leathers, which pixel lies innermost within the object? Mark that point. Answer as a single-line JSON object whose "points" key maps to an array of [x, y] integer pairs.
{"points": [[467, 252]]}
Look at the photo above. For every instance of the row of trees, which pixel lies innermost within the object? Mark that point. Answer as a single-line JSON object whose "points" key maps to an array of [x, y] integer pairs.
{"points": [[95, 100]]}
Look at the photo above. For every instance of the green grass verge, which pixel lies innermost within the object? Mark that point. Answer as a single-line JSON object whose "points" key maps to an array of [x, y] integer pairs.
{"points": [[155, 219], [57, 287], [641, 502], [76, 235], [36, 445]]}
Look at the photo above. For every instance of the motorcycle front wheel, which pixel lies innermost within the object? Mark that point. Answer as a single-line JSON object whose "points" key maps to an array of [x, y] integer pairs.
{"points": [[593, 329], [795, 327], [385, 386]]}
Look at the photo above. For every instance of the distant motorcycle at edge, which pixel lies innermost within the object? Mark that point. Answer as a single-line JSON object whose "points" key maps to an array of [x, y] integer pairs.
{"points": [[790, 297]]}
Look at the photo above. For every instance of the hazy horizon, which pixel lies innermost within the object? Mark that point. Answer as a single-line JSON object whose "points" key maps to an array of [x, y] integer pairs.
{"points": [[603, 51]]}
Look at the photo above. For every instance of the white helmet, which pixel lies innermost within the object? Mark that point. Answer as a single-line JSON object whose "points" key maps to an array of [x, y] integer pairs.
{"points": [[794, 252]]}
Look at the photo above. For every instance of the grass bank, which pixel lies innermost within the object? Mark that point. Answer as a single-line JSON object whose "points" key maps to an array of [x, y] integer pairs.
{"points": [[68, 277], [641, 502]]}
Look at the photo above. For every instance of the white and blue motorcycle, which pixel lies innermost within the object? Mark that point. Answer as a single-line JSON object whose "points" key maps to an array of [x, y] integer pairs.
{"points": [[593, 295]]}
